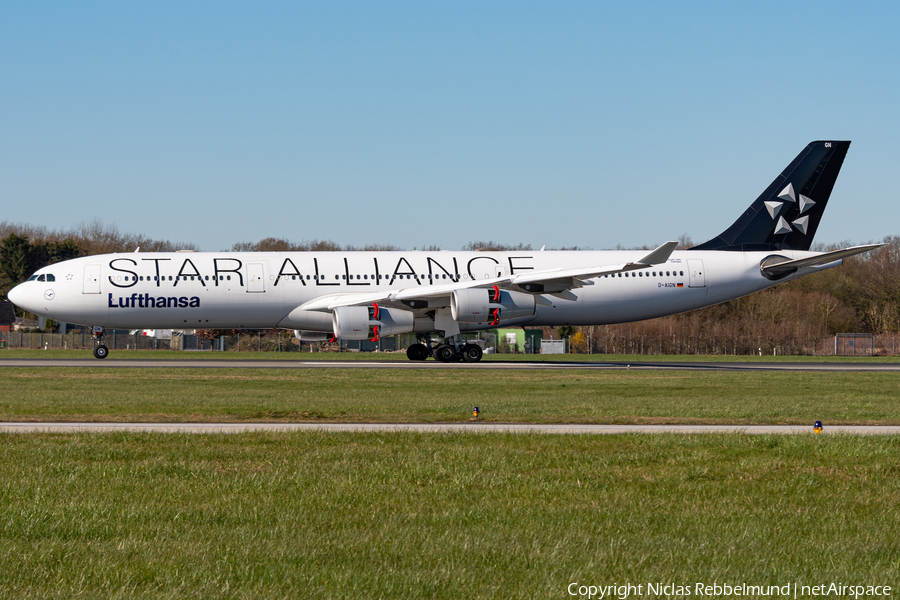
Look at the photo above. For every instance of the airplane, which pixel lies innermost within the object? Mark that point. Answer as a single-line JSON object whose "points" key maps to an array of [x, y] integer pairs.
{"points": [[366, 295]]}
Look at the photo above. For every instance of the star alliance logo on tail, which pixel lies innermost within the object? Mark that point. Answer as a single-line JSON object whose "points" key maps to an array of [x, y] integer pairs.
{"points": [[774, 208]]}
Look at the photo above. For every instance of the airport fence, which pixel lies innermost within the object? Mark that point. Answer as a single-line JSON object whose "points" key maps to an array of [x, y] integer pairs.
{"points": [[81, 340], [283, 341], [253, 341]]}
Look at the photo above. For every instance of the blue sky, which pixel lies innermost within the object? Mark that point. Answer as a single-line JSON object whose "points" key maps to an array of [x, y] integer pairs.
{"points": [[591, 124]]}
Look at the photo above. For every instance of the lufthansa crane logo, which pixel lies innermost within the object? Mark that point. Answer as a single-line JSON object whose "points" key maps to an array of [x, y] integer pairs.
{"points": [[49, 294]]}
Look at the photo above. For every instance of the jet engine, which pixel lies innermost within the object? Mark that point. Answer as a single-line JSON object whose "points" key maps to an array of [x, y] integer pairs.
{"points": [[489, 306], [370, 322]]}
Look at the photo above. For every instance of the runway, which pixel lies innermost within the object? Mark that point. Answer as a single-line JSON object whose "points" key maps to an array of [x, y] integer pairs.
{"points": [[150, 363], [549, 428]]}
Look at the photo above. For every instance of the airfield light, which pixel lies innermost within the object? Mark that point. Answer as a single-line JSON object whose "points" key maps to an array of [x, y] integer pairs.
{"points": [[818, 427], [475, 412]]}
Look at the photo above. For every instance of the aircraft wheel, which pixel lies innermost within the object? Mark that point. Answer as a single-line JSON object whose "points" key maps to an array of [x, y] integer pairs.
{"points": [[445, 353], [472, 353], [417, 352], [101, 351]]}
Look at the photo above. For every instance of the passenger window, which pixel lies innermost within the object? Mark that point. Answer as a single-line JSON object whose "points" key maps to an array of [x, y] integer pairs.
{"points": [[681, 273], [229, 278], [207, 277]]}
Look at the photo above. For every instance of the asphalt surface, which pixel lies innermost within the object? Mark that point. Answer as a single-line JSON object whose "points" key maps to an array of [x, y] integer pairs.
{"points": [[150, 363], [473, 427]]}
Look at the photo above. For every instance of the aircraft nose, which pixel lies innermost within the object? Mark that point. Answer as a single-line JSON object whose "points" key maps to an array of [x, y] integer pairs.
{"points": [[17, 296]]}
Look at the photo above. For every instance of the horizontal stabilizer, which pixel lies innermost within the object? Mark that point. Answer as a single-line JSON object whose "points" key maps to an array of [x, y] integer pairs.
{"points": [[789, 266]]}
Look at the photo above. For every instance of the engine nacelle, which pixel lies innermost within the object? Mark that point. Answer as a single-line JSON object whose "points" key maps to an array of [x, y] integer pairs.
{"points": [[371, 322], [489, 306], [351, 323]]}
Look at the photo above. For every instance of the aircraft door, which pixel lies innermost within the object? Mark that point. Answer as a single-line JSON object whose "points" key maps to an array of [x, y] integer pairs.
{"points": [[255, 278], [92, 279], [697, 276]]}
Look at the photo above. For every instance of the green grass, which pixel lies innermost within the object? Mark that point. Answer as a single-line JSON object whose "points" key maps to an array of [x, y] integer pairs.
{"points": [[401, 356], [434, 395], [315, 515]]}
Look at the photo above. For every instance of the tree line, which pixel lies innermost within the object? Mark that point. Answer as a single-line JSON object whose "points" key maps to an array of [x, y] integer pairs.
{"points": [[26, 248], [796, 317]]}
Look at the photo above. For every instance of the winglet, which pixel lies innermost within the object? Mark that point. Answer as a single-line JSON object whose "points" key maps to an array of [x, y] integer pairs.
{"points": [[660, 255]]}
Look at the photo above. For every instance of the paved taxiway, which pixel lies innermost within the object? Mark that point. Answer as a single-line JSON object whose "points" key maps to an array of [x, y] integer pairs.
{"points": [[557, 428], [150, 363]]}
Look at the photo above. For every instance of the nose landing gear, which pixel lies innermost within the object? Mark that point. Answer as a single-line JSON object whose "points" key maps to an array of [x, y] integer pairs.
{"points": [[100, 350]]}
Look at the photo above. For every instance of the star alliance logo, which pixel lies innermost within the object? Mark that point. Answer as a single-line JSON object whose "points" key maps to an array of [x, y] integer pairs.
{"points": [[787, 195]]}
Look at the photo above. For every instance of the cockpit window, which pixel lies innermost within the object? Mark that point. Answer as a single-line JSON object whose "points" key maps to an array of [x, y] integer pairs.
{"points": [[41, 278], [50, 277]]}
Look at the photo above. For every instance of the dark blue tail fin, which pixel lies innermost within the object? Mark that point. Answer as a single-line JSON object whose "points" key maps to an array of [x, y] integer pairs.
{"points": [[787, 214]]}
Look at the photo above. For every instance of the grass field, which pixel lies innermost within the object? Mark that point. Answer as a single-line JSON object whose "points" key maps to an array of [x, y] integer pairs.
{"points": [[313, 515], [394, 395], [401, 356]]}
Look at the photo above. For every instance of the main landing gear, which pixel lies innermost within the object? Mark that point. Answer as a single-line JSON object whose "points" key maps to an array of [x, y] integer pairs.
{"points": [[452, 350], [100, 350]]}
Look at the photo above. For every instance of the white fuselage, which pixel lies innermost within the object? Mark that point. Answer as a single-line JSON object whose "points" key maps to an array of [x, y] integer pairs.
{"points": [[224, 290]]}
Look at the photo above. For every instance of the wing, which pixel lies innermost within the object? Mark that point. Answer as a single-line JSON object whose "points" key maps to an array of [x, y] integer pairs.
{"points": [[557, 282]]}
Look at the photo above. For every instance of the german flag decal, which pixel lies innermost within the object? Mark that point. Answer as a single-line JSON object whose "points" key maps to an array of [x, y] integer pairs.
{"points": [[680, 285]]}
